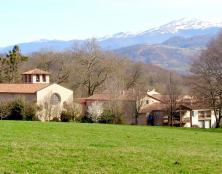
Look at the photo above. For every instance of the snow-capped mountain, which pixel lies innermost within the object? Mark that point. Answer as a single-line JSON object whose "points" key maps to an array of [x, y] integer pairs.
{"points": [[186, 27], [172, 27]]}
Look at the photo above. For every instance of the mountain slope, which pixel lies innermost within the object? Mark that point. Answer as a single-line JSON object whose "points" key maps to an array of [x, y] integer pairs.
{"points": [[186, 27], [161, 55], [191, 42]]}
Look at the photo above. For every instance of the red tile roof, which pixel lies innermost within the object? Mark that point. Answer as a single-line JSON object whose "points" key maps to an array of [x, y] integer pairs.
{"points": [[101, 96], [36, 71], [80, 100], [154, 107], [21, 87], [126, 95]]}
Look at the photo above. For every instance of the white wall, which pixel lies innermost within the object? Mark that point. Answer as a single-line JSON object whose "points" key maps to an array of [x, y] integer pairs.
{"points": [[45, 94]]}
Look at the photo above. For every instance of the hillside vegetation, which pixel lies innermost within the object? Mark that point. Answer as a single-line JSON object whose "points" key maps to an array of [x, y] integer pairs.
{"points": [[52, 147], [190, 42], [164, 56]]}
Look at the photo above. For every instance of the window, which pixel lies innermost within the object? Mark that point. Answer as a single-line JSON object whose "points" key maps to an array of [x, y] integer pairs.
{"points": [[147, 102], [37, 78], [26, 77], [29, 78], [150, 117], [55, 99], [44, 78]]}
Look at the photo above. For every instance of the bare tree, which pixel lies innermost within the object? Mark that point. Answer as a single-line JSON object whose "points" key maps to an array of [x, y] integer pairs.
{"points": [[207, 76], [171, 99], [94, 66], [134, 103], [57, 63], [133, 75]]}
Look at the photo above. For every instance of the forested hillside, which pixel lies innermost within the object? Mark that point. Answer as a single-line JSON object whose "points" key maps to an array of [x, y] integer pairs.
{"points": [[190, 42], [164, 56]]}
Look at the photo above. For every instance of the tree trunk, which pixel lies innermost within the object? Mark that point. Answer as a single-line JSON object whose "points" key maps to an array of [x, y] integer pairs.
{"points": [[136, 120]]}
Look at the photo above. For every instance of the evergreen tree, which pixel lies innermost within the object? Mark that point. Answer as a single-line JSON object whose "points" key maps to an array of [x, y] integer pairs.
{"points": [[10, 65]]}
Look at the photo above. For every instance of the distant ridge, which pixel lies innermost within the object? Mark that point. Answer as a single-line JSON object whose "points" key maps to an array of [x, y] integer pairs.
{"points": [[190, 42], [185, 27]]}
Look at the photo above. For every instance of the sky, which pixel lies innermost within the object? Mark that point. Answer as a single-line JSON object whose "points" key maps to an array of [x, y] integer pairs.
{"points": [[32, 20]]}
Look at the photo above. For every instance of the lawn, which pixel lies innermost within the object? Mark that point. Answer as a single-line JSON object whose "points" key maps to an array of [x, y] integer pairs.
{"points": [[55, 147]]}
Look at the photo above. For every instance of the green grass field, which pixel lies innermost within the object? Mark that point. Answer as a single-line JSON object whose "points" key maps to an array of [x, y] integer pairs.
{"points": [[55, 147]]}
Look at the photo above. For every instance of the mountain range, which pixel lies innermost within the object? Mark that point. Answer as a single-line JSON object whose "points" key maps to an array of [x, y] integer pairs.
{"points": [[186, 27], [169, 45]]}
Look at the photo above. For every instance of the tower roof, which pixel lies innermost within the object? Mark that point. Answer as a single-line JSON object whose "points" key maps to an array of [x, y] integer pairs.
{"points": [[36, 71]]}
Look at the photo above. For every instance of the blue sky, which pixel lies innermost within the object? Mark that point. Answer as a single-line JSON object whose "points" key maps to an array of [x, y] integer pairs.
{"points": [[30, 20]]}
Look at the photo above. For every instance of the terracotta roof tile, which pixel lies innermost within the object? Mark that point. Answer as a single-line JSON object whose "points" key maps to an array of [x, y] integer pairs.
{"points": [[80, 100], [154, 107], [127, 95], [21, 87], [36, 71], [101, 96]]}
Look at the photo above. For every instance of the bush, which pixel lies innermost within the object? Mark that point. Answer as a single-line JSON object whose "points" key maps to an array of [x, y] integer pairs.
{"points": [[86, 119], [65, 116], [29, 111], [18, 109], [56, 119], [107, 117], [5, 109], [110, 118]]}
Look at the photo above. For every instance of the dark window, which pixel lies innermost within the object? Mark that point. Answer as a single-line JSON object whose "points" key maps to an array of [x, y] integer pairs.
{"points": [[37, 78], [44, 78], [55, 99], [150, 117], [29, 78], [147, 102]]}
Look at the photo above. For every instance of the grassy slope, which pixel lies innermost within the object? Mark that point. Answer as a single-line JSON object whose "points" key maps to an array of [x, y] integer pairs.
{"points": [[50, 147]]}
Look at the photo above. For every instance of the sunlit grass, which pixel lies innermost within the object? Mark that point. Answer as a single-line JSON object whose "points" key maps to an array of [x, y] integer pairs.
{"points": [[51, 147]]}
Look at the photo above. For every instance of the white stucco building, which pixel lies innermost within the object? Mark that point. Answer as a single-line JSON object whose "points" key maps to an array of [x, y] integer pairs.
{"points": [[36, 87]]}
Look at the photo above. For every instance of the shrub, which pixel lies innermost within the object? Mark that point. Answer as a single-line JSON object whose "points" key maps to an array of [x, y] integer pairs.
{"points": [[29, 111], [56, 119], [5, 109], [86, 119], [107, 117], [18, 109], [65, 117]]}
